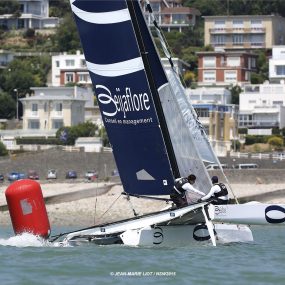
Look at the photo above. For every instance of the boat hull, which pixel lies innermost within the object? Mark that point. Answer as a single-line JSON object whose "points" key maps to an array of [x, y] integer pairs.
{"points": [[183, 235]]}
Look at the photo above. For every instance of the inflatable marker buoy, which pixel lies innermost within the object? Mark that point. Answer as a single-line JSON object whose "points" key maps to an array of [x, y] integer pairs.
{"points": [[27, 208]]}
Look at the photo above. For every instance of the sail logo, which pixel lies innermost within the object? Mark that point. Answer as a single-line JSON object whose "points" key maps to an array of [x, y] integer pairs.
{"points": [[121, 103]]}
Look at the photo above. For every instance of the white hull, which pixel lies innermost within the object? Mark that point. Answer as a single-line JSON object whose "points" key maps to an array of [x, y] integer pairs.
{"points": [[184, 235]]}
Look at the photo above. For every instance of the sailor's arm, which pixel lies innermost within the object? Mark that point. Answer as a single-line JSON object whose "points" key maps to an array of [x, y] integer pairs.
{"points": [[209, 195], [188, 187]]}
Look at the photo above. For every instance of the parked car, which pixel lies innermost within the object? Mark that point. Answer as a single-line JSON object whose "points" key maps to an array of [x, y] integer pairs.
{"points": [[91, 175], [1, 178], [13, 176], [71, 174], [216, 166], [52, 174], [32, 174]]}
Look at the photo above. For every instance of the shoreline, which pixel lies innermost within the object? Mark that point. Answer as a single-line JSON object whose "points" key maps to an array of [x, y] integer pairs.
{"points": [[97, 203]]}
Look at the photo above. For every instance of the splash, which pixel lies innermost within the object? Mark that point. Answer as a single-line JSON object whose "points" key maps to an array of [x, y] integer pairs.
{"points": [[26, 240]]}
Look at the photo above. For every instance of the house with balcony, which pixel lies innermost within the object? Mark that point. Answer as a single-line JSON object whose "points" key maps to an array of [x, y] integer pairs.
{"points": [[34, 15], [225, 68], [262, 107], [171, 15], [244, 32], [51, 108], [277, 64], [69, 68], [218, 116]]}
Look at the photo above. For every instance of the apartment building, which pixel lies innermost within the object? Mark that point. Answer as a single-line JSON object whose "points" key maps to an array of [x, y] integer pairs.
{"points": [[277, 64], [34, 15], [244, 32], [50, 108], [171, 15], [262, 106], [217, 115], [225, 67]]}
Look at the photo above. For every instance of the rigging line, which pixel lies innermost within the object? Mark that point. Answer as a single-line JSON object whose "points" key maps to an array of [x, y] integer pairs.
{"points": [[109, 207], [133, 209], [95, 209]]}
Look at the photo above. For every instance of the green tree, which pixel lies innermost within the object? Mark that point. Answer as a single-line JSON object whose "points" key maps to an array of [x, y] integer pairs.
{"points": [[68, 135], [275, 141], [66, 37], [9, 7], [7, 106], [22, 74], [235, 91], [3, 150]]}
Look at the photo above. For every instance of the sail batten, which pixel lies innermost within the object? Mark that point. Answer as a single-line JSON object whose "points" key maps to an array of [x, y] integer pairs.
{"points": [[116, 69]]}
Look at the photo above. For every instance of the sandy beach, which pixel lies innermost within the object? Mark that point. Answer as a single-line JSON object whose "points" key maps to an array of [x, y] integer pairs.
{"points": [[100, 206]]}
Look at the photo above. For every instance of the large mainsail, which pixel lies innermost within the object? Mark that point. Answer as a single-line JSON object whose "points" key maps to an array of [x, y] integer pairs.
{"points": [[125, 97]]}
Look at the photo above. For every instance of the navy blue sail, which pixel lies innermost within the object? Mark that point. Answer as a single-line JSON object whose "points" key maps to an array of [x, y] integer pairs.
{"points": [[126, 97]]}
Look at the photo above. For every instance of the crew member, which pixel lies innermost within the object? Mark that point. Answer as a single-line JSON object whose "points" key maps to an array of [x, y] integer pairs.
{"points": [[181, 186], [218, 193]]}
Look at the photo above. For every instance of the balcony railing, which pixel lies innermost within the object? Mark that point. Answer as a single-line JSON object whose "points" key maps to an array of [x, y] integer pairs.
{"points": [[237, 30]]}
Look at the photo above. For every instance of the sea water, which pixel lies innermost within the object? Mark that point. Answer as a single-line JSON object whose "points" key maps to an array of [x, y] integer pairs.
{"points": [[27, 260]]}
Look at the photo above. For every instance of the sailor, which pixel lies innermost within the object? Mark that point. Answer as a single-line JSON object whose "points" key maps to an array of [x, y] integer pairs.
{"points": [[181, 186], [218, 193]]}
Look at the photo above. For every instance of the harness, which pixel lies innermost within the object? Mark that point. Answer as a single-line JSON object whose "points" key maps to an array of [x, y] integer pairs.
{"points": [[223, 192], [179, 184]]}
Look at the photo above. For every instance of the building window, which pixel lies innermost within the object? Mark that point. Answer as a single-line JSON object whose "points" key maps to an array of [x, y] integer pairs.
{"points": [[45, 107], [252, 101], [238, 24], [69, 62], [253, 62], [230, 76], [83, 77], [233, 61], [256, 40], [34, 109], [237, 39], [69, 77], [202, 112], [57, 124], [280, 69], [219, 40], [256, 23], [58, 107], [209, 61], [57, 63], [209, 76], [83, 62], [33, 124], [277, 103], [220, 24]]}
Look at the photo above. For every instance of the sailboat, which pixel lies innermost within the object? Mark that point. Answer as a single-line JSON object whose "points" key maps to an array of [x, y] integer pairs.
{"points": [[154, 132]]}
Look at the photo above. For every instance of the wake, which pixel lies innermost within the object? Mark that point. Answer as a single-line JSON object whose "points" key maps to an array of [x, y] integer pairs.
{"points": [[27, 240]]}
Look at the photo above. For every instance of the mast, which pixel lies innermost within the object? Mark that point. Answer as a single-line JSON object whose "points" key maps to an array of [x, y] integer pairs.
{"points": [[156, 99]]}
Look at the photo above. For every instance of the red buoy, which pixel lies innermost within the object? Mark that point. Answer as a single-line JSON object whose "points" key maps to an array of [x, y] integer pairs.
{"points": [[27, 208]]}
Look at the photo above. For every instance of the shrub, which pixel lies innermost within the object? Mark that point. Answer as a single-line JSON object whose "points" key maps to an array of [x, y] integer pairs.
{"points": [[275, 141], [3, 149]]}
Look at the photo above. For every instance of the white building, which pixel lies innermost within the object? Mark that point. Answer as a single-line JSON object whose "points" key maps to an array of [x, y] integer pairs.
{"points": [[34, 15], [53, 107], [277, 64], [69, 68], [217, 95], [262, 106]]}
